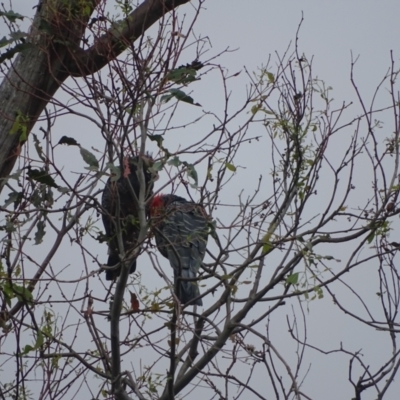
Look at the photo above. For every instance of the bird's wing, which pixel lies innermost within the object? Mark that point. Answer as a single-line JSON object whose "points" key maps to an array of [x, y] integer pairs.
{"points": [[109, 206], [186, 231]]}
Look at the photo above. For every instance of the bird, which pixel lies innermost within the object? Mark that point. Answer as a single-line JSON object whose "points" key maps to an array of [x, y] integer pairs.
{"points": [[120, 207], [181, 234]]}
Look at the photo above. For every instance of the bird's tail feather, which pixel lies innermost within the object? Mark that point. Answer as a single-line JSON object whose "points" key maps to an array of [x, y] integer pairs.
{"points": [[189, 290]]}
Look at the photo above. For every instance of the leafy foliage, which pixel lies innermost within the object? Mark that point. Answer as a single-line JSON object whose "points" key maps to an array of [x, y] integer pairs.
{"points": [[179, 95], [11, 15], [290, 230]]}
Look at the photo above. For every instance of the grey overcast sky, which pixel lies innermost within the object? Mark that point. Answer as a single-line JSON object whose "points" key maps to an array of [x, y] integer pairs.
{"points": [[332, 33]]}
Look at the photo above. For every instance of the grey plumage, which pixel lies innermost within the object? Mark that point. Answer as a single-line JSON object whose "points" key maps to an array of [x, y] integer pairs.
{"points": [[119, 195], [181, 234]]}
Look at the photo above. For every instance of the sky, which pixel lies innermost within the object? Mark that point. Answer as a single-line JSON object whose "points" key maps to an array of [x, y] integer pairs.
{"points": [[332, 34]]}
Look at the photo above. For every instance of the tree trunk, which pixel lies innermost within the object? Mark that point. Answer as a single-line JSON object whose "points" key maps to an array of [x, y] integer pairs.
{"points": [[40, 69]]}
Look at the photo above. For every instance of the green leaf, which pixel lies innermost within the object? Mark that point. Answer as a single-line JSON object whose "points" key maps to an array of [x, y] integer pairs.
{"points": [[157, 166], [89, 159], [192, 173], [266, 248], [234, 289], [10, 227], [176, 162], [22, 293], [18, 48], [48, 197], [40, 232], [16, 174], [293, 279], [39, 339], [319, 292], [18, 35], [39, 342], [179, 95], [11, 15], [185, 73], [156, 138], [27, 349], [8, 293], [55, 361], [255, 109], [68, 141], [271, 77], [209, 173], [182, 75], [395, 188], [41, 176], [14, 197], [20, 126], [230, 166], [115, 172], [370, 237], [38, 147], [166, 98], [36, 198]]}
